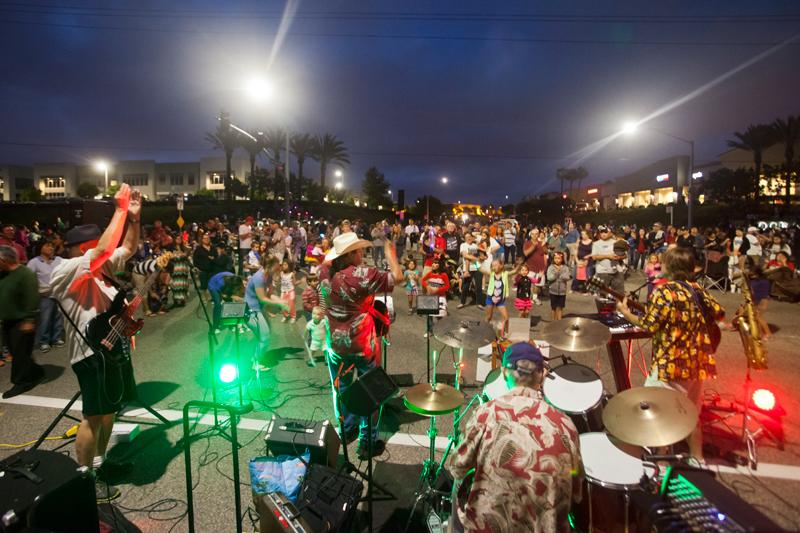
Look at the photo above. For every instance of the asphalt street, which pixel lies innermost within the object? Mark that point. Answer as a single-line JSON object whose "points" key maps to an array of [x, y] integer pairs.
{"points": [[172, 367]]}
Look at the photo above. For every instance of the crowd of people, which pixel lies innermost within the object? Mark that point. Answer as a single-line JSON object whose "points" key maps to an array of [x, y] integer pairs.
{"points": [[328, 274]]}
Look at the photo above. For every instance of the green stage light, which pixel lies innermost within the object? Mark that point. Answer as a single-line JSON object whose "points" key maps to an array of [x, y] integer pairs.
{"points": [[228, 373]]}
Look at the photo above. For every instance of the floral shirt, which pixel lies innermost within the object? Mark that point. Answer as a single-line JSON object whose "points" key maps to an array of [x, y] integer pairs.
{"points": [[527, 465], [681, 346], [350, 296]]}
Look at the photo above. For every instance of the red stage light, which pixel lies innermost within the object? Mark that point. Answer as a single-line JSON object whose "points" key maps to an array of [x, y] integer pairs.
{"points": [[763, 399]]}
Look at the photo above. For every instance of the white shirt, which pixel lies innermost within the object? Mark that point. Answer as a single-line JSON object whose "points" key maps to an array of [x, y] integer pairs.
{"points": [[44, 269], [604, 247], [755, 245], [317, 334], [510, 236], [244, 242], [83, 295], [471, 249], [411, 229]]}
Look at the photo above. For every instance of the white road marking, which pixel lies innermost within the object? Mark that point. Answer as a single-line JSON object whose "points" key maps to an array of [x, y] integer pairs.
{"points": [[768, 470]]}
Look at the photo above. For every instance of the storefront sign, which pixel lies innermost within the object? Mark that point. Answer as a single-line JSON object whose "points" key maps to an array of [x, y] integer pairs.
{"points": [[662, 178]]}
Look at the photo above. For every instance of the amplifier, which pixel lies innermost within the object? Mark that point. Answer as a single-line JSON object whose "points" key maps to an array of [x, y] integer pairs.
{"points": [[328, 498], [232, 313], [291, 436], [46, 491], [278, 515]]}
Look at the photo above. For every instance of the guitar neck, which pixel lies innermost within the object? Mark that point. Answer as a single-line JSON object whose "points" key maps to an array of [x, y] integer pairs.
{"points": [[605, 289]]}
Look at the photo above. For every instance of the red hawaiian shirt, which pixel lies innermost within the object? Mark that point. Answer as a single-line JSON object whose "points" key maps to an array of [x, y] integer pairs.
{"points": [[527, 465], [350, 296]]}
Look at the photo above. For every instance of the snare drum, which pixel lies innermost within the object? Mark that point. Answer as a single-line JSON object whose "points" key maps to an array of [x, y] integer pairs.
{"points": [[576, 390], [611, 473], [494, 385]]}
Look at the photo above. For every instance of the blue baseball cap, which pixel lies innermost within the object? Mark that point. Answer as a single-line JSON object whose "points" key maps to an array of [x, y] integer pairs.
{"points": [[523, 350]]}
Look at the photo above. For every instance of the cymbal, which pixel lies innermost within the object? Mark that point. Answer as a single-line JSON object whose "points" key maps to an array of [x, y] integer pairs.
{"points": [[650, 416], [438, 399], [576, 334], [462, 333]]}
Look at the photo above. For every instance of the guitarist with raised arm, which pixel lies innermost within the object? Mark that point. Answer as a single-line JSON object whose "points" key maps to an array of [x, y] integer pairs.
{"points": [[83, 285]]}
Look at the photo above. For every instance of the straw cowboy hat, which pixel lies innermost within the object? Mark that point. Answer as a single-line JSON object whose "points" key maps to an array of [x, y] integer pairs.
{"points": [[344, 244]]}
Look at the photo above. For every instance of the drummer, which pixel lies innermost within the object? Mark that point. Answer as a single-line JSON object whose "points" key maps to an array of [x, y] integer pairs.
{"points": [[524, 452]]}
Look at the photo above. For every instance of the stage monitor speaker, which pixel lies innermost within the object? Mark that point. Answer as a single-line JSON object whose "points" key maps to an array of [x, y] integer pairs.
{"points": [[328, 498], [371, 390], [292, 436], [427, 304], [232, 313], [46, 491]]}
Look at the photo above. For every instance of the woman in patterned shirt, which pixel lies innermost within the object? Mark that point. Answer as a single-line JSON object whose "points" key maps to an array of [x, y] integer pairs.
{"points": [[682, 353]]}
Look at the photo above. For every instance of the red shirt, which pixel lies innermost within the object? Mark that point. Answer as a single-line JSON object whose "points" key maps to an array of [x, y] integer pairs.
{"points": [[310, 298], [350, 298]]}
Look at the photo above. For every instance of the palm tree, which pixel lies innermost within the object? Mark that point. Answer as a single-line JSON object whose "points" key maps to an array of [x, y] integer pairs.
{"points": [[253, 145], [788, 132], [301, 145], [755, 139], [328, 149], [227, 139], [275, 143]]}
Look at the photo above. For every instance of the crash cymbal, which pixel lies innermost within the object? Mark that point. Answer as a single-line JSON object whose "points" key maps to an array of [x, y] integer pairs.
{"points": [[462, 333], [576, 334], [650, 416], [429, 400]]}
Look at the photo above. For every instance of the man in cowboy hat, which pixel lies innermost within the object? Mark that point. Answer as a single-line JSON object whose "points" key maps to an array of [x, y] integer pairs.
{"points": [[79, 284], [349, 292]]}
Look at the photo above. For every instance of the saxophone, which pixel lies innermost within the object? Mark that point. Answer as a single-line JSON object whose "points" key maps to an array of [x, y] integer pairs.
{"points": [[749, 331]]}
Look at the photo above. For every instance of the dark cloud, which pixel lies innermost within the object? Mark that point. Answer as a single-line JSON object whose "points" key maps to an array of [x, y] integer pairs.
{"points": [[489, 103]]}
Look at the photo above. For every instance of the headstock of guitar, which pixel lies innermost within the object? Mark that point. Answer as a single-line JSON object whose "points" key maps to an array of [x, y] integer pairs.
{"points": [[597, 286]]}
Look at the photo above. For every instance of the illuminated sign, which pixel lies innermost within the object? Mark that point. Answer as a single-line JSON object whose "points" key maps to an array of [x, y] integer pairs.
{"points": [[697, 175], [662, 177], [592, 191]]}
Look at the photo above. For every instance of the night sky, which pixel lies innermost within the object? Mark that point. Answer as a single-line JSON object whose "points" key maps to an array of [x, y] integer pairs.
{"points": [[494, 95]]}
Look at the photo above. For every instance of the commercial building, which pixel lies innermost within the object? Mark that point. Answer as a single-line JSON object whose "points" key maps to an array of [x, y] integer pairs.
{"points": [[154, 180], [667, 181]]}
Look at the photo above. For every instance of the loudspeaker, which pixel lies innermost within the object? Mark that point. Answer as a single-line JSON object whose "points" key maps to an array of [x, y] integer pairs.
{"points": [[291, 436], [366, 394], [46, 491], [278, 515], [328, 498], [427, 304]]}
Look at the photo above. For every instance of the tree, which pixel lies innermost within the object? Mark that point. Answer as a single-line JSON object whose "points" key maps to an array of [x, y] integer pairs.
{"points": [[376, 188], [253, 146], [730, 187], [788, 132], [87, 190], [302, 144], [31, 194], [425, 203], [571, 175], [226, 139], [755, 139], [328, 149], [239, 189], [275, 142], [206, 193]]}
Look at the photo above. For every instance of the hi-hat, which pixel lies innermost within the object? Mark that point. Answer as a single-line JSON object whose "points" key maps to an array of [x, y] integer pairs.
{"points": [[432, 400], [461, 333], [650, 416], [576, 334]]}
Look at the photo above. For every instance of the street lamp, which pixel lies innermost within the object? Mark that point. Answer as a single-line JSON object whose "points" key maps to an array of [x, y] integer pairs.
{"points": [[337, 173], [444, 181], [102, 166], [339, 185], [630, 127], [261, 90]]}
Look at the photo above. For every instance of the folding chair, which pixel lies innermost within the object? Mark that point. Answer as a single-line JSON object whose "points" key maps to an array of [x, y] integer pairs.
{"points": [[715, 272]]}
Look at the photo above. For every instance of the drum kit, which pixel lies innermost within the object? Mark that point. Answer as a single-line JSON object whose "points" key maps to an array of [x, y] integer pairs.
{"points": [[615, 434]]}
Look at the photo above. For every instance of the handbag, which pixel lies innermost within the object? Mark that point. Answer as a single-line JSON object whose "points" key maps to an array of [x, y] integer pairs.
{"points": [[712, 328]]}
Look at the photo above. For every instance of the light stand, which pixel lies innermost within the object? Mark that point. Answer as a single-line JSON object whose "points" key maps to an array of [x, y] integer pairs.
{"points": [[747, 436]]}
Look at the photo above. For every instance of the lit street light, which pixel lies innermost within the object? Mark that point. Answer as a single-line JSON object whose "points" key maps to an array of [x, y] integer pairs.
{"points": [[102, 166], [337, 173], [444, 180], [339, 185], [631, 127]]}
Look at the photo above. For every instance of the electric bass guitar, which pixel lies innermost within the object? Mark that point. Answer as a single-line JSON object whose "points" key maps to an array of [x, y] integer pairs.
{"points": [[108, 331]]}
